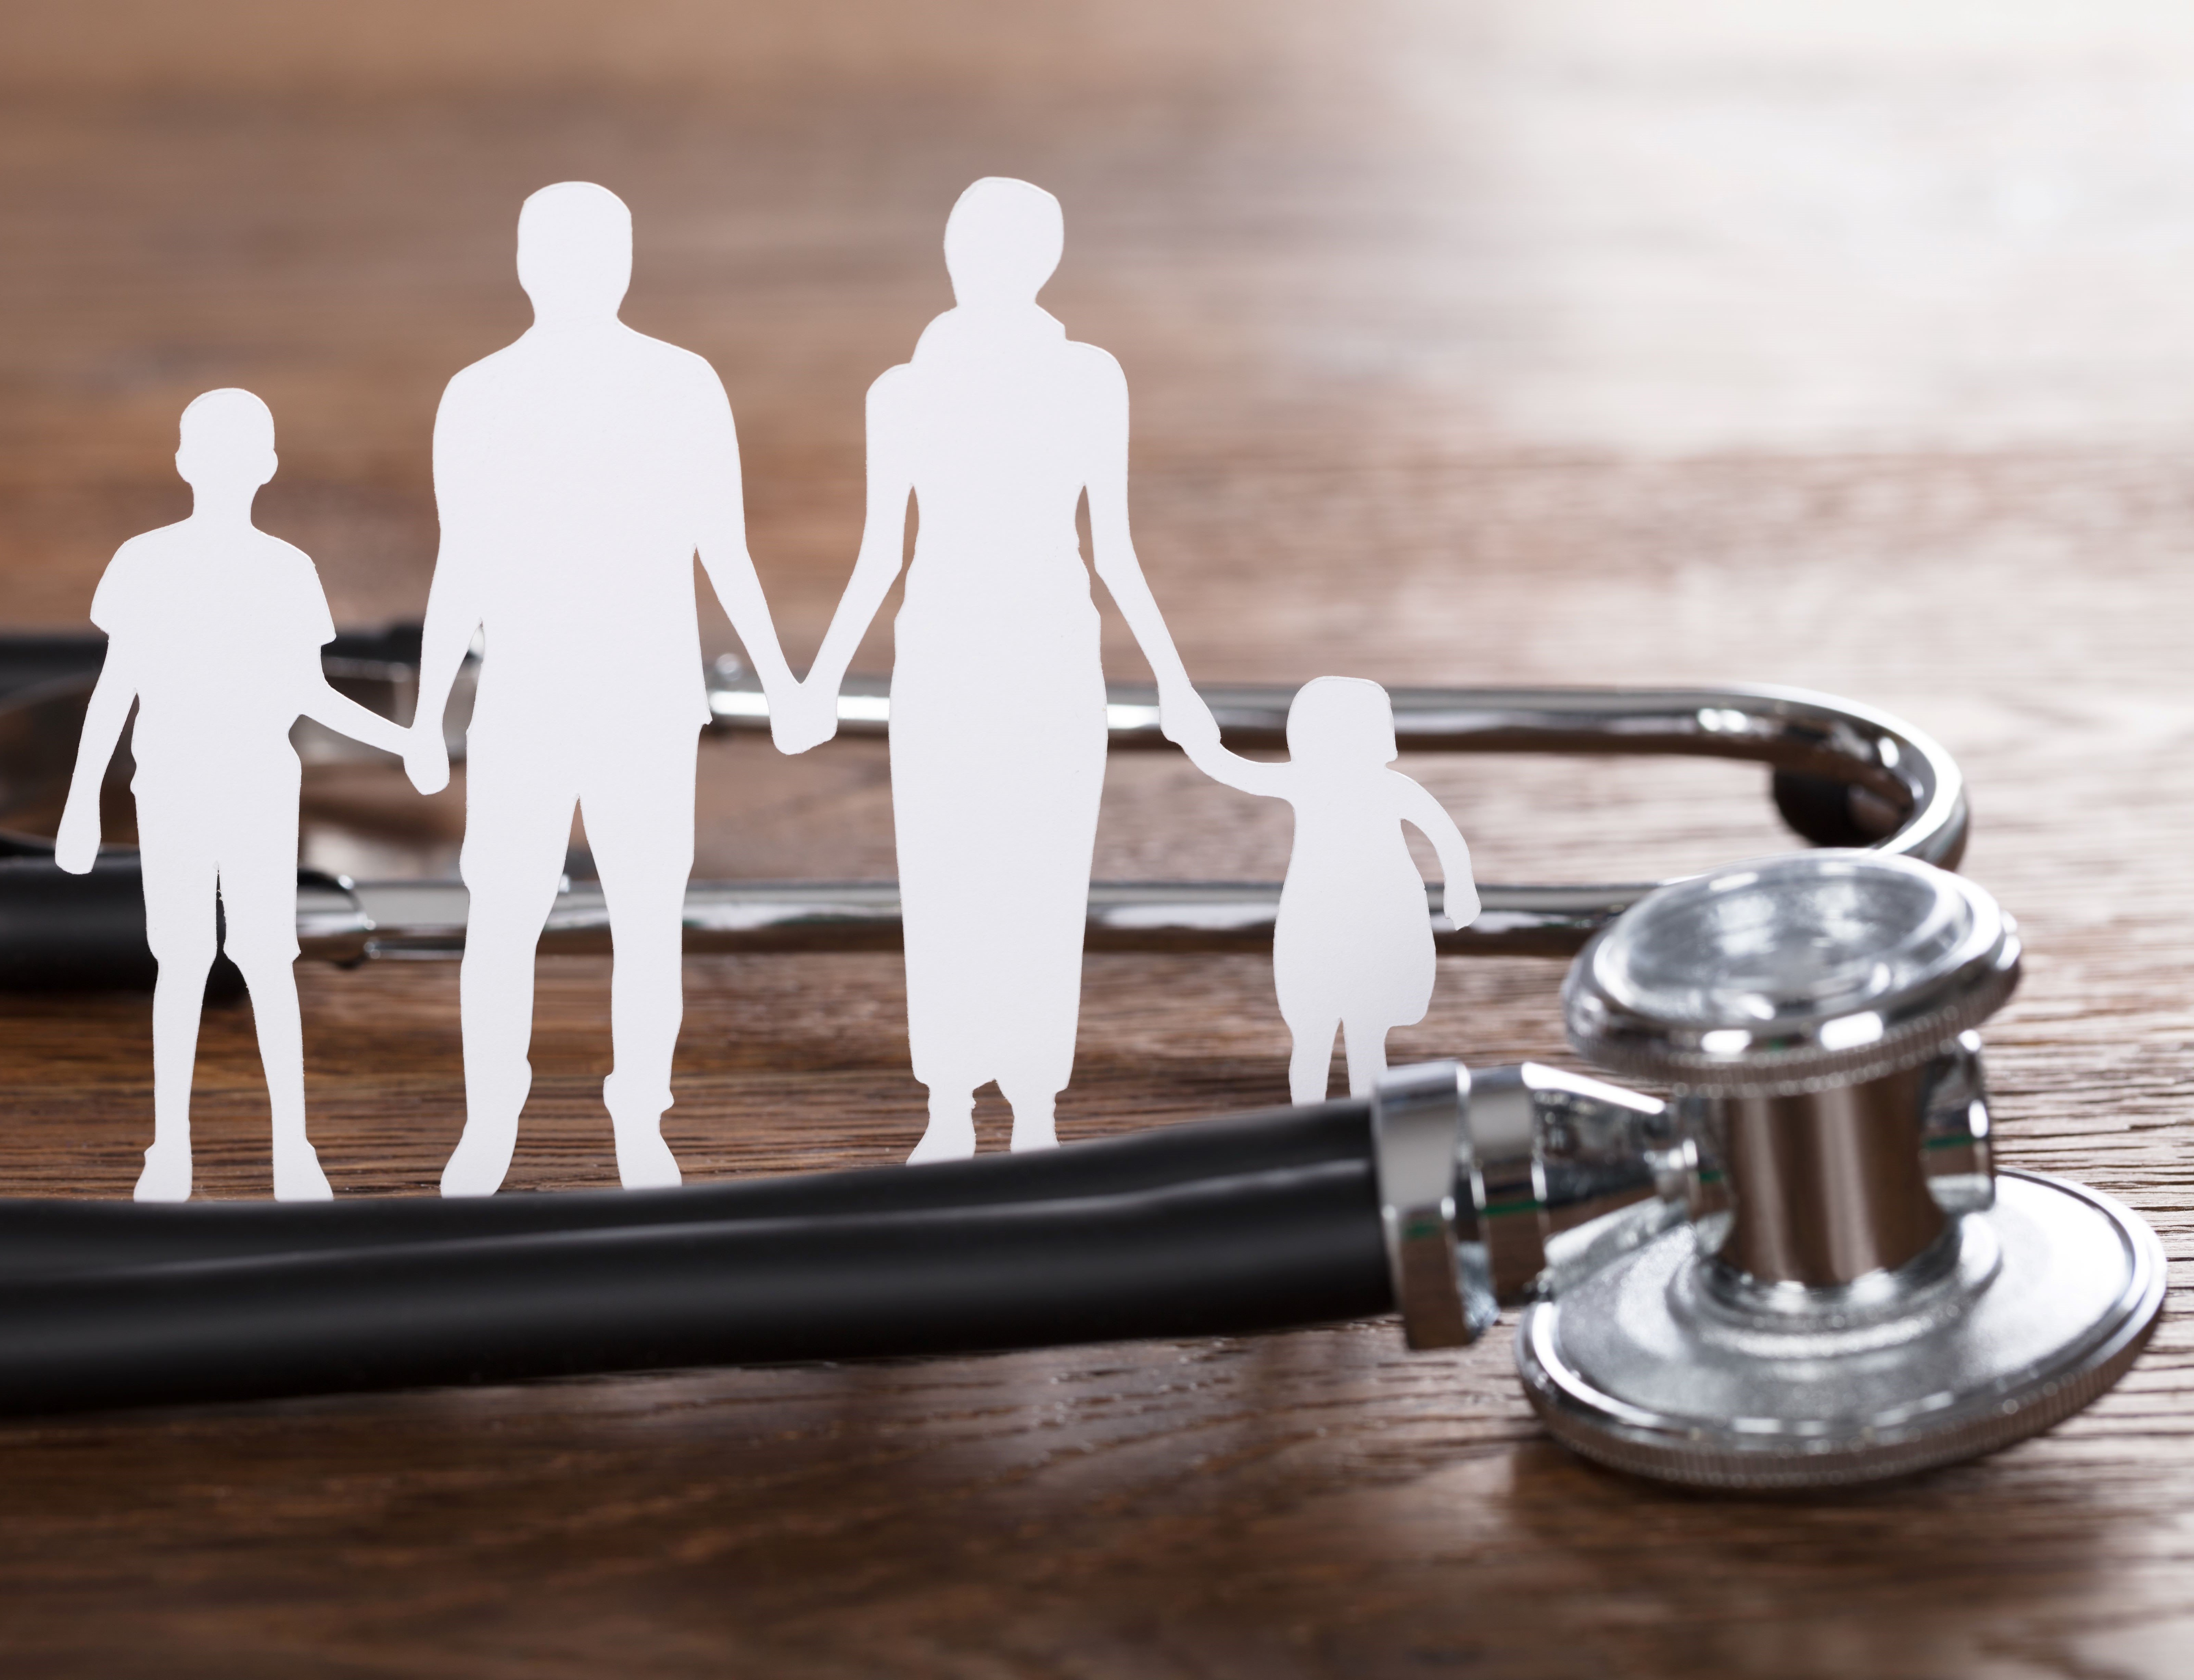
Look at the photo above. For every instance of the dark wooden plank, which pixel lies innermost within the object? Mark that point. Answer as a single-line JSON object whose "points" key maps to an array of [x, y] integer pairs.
{"points": [[1517, 343]]}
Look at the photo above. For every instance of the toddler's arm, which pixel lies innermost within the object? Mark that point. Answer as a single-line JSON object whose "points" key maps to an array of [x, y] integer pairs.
{"points": [[1458, 892], [77, 844]]}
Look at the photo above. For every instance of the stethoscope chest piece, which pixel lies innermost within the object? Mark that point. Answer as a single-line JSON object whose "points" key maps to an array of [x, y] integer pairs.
{"points": [[1857, 1294]]}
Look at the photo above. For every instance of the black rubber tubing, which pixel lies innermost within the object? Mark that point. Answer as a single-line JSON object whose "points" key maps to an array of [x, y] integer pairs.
{"points": [[1219, 1256], [63, 932], [42, 1237]]}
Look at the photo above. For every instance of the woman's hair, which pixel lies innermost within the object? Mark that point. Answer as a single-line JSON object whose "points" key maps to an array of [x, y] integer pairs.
{"points": [[1340, 718], [1002, 241]]}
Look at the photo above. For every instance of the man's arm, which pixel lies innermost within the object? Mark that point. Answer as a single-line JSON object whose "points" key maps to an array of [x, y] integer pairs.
{"points": [[1183, 715], [454, 605], [77, 845], [883, 547], [721, 541]]}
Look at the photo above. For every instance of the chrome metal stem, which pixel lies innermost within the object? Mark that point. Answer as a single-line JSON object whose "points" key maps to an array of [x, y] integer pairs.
{"points": [[1828, 1186]]}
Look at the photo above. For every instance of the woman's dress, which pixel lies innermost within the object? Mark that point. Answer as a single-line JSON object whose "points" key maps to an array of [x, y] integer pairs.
{"points": [[997, 720]]}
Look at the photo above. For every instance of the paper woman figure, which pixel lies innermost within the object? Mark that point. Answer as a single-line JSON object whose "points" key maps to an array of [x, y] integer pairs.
{"points": [[997, 427], [576, 472], [1353, 949], [214, 630]]}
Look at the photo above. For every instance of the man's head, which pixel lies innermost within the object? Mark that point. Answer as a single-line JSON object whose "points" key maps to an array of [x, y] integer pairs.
{"points": [[575, 252], [228, 443], [1001, 242]]}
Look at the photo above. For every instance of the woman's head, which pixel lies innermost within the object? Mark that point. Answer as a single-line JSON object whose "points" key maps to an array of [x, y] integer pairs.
{"points": [[1002, 243], [1341, 720]]}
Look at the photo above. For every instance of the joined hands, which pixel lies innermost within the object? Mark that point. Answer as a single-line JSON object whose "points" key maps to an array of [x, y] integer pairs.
{"points": [[76, 847], [427, 759], [804, 718], [1186, 720]]}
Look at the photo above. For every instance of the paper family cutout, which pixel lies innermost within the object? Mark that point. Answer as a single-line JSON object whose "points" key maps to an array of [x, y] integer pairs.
{"points": [[1352, 948], [997, 429], [214, 629], [578, 472]]}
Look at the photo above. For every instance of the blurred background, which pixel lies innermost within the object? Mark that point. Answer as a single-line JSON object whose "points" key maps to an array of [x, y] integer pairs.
{"points": [[1574, 340]]}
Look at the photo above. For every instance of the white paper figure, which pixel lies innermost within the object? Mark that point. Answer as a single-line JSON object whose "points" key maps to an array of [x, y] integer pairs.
{"points": [[997, 427], [1352, 947], [576, 472], [214, 630]]}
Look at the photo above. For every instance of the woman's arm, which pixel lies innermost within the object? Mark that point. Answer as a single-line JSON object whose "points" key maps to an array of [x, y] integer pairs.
{"points": [[1231, 769], [1182, 713], [77, 844], [1458, 892], [883, 547]]}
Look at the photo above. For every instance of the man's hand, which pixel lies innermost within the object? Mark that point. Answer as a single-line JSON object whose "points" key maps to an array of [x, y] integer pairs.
{"points": [[427, 759], [807, 717], [76, 847]]}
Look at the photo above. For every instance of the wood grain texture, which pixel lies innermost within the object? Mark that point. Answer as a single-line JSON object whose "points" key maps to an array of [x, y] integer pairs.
{"points": [[1532, 342]]}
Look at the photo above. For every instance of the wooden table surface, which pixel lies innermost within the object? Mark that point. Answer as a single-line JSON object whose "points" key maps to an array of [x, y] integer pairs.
{"points": [[1540, 340]]}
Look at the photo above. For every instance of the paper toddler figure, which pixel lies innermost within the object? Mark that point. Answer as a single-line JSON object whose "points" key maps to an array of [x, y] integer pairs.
{"points": [[576, 472], [1352, 948], [214, 630], [997, 429]]}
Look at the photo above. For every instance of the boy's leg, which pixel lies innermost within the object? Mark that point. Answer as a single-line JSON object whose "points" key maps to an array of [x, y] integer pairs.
{"points": [[518, 827], [1367, 1055], [259, 902], [176, 862], [637, 809]]}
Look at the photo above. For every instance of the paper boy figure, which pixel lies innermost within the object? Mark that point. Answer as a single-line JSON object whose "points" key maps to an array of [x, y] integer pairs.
{"points": [[215, 628], [1352, 948]]}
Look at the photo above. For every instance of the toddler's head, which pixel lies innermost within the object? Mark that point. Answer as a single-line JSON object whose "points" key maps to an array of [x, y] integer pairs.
{"points": [[1341, 721]]}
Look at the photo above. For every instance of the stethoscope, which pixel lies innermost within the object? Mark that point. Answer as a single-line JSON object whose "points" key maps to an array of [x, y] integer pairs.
{"points": [[1802, 1269], [1841, 774]]}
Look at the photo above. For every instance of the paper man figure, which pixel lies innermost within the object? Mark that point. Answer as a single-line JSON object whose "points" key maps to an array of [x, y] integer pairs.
{"points": [[997, 427], [578, 471], [215, 628], [1353, 949]]}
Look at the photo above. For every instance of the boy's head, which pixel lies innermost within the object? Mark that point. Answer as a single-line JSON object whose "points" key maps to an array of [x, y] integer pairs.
{"points": [[1341, 720], [226, 443], [1001, 242], [575, 252]]}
